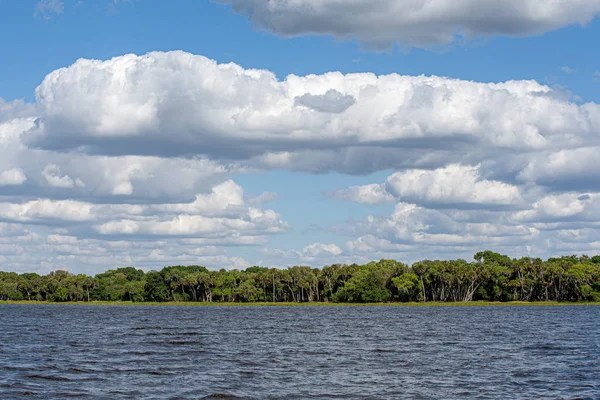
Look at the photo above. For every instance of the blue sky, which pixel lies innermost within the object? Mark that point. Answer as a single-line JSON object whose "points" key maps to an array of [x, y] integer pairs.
{"points": [[319, 218]]}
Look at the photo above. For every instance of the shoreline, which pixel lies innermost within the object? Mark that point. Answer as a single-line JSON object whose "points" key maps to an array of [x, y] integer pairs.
{"points": [[314, 304]]}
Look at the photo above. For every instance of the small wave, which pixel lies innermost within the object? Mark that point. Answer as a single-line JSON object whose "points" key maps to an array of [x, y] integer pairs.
{"points": [[11, 368], [19, 393], [145, 353], [548, 347], [249, 373], [384, 351], [50, 378], [81, 370], [221, 396], [160, 373], [183, 342], [144, 328], [523, 374]]}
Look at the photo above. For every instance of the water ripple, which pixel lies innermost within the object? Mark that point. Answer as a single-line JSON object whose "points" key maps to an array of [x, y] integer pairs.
{"points": [[299, 353]]}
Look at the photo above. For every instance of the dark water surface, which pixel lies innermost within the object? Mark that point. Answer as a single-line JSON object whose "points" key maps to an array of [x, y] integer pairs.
{"points": [[60, 352]]}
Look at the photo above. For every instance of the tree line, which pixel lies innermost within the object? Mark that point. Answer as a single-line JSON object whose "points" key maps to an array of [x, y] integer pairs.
{"points": [[491, 276]]}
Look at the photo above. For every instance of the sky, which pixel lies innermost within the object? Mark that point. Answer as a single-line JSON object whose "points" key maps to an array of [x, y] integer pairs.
{"points": [[233, 133]]}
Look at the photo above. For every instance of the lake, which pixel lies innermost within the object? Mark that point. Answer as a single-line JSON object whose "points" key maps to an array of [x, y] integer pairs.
{"points": [[94, 352]]}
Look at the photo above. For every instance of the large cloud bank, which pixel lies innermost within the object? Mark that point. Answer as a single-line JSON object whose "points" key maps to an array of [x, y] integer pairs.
{"points": [[179, 104], [132, 161]]}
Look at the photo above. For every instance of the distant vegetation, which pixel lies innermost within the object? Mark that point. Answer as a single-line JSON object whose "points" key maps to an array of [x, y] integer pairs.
{"points": [[491, 277]]}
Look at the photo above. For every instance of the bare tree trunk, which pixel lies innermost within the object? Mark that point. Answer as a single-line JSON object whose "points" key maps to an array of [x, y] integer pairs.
{"points": [[293, 295]]}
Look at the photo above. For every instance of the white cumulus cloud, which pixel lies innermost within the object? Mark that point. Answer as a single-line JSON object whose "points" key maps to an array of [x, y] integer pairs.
{"points": [[52, 175], [414, 22], [563, 207], [13, 176], [179, 104], [320, 249], [454, 185]]}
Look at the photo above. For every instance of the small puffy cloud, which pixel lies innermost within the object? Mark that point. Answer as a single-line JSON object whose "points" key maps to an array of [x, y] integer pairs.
{"points": [[310, 255], [563, 207], [320, 249], [371, 244], [367, 194], [568, 70], [225, 198], [14, 176], [418, 23], [47, 210], [452, 186], [53, 177]]}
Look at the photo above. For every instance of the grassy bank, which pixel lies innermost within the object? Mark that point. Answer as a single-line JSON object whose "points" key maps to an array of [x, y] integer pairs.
{"points": [[263, 304]]}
